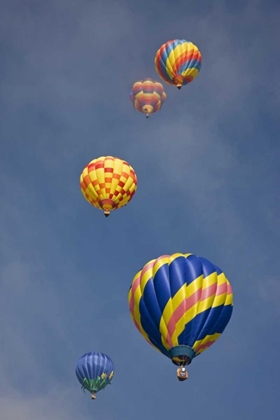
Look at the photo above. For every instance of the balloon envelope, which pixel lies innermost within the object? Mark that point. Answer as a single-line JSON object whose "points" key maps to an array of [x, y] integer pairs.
{"points": [[94, 371], [178, 62], [108, 183], [181, 304], [147, 96]]}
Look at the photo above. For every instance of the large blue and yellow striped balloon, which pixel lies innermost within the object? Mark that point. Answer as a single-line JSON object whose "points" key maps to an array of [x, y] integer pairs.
{"points": [[181, 304], [178, 62], [94, 371]]}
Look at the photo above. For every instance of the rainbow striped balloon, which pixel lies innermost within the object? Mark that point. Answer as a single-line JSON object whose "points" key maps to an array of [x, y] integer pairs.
{"points": [[108, 183], [181, 304], [147, 96], [178, 62]]}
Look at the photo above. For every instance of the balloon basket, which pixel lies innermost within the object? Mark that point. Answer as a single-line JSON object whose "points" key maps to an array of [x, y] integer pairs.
{"points": [[182, 374]]}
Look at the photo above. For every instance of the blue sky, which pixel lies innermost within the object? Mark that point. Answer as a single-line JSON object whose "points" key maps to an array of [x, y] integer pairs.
{"points": [[208, 172]]}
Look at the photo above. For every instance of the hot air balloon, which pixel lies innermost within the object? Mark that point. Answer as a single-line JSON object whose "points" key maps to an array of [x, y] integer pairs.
{"points": [[94, 371], [178, 62], [180, 304], [108, 183], [147, 96]]}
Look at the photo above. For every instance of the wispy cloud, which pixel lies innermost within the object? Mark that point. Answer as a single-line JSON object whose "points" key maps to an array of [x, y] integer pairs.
{"points": [[56, 405]]}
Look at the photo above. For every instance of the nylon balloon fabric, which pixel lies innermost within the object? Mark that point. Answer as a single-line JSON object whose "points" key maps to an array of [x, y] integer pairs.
{"points": [[147, 96], [181, 304], [178, 62], [94, 371], [108, 183]]}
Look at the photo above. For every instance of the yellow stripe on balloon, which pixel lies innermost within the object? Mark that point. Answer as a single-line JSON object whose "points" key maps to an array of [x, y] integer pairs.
{"points": [[218, 301], [205, 341], [182, 293], [159, 263], [229, 300], [91, 174], [146, 276], [165, 338], [114, 185], [89, 190], [177, 255], [197, 308], [127, 183], [173, 55], [187, 315], [100, 178], [135, 312], [190, 72], [119, 168], [180, 325], [169, 309], [205, 304], [169, 62], [210, 280], [172, 305]]}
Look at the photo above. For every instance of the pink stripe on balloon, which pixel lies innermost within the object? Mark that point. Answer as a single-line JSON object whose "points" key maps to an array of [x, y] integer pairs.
{"points": [[204, 346], [146, 268], [189, 302], [221, 289], [133, 288], [208, 291], [161, 258], [184, 306], [229, 289], [136, 284]]}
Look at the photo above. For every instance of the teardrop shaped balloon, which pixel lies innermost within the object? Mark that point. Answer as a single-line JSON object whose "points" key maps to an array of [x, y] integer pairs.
{"points": [[94, 371], [178, 62], [108, 183], [147, 96], [180, 304]]}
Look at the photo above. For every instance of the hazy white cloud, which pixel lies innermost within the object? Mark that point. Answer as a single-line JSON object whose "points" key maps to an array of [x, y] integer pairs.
{"points": [[57, 404]]}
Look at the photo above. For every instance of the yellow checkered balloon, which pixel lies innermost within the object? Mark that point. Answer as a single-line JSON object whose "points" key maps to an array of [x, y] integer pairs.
{"points": [[108, 183]]}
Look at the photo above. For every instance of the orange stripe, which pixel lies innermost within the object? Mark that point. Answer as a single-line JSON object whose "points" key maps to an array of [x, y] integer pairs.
{"points": [[209, 291], [184, 306], [133, 288], [190, 301], [221, 289], [205, 346], [136, 283], [229, 289]]}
